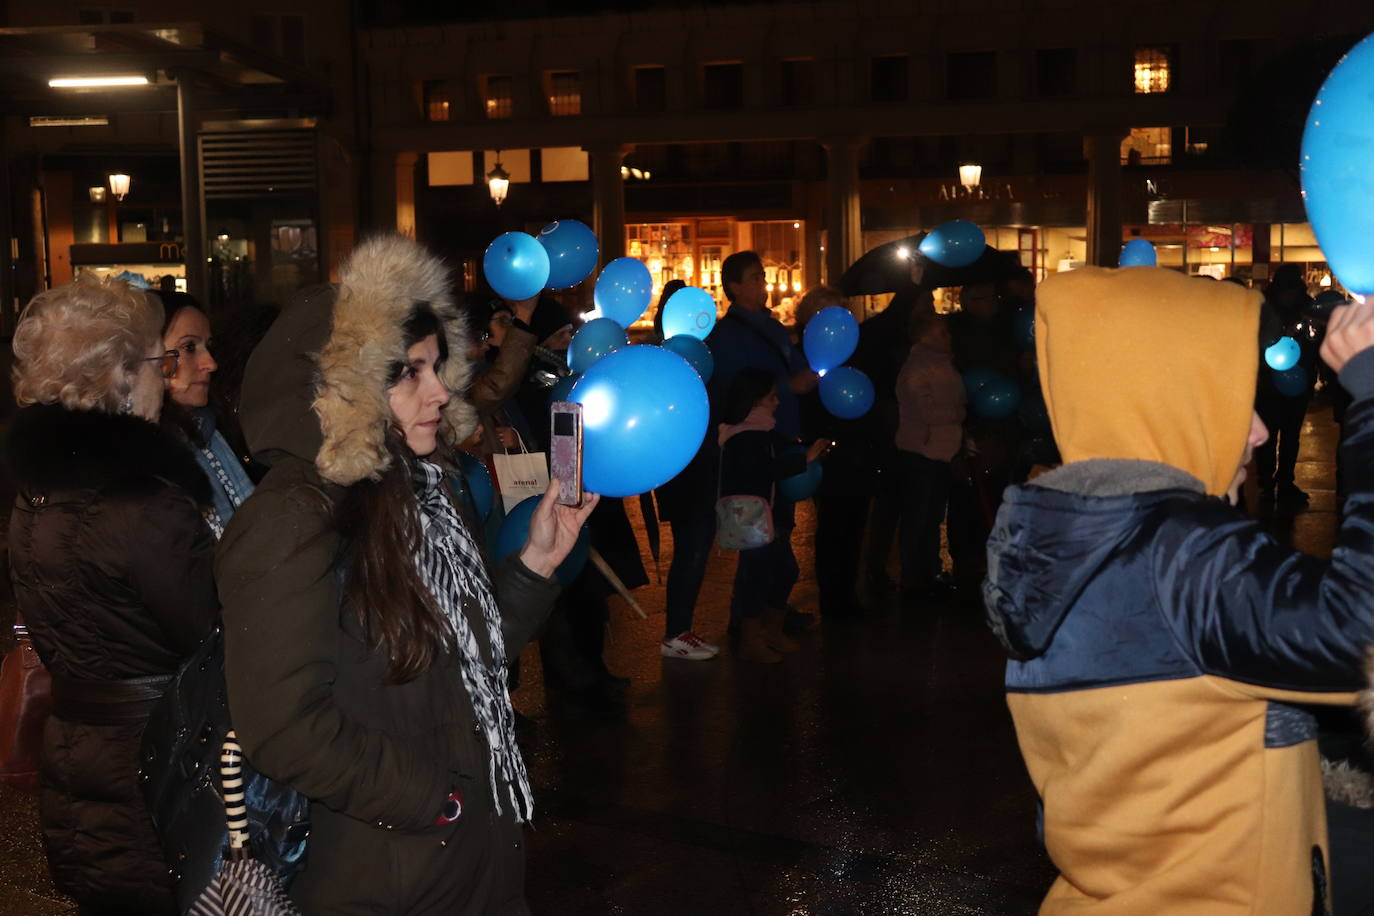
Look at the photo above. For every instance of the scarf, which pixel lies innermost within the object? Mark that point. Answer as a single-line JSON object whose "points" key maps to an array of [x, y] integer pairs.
{"points": [[451, 567], [759, 417], [229, 483]]}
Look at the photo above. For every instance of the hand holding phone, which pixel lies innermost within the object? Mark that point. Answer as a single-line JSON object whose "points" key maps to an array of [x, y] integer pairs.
{"points": [[565, 451]]}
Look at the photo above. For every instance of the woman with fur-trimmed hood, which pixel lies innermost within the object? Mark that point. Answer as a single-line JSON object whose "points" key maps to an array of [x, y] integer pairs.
{"points": [[366, 639]]}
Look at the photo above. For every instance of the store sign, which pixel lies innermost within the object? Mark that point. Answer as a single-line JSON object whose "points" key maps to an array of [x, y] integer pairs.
{"points": [[129, 253]]}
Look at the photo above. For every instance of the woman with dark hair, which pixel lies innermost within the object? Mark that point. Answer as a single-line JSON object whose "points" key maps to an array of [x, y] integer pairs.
{"points": [[111, 564], [366, 637]]}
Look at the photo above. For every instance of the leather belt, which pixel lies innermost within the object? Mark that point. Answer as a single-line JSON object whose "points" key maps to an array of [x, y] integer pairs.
{"points": [[121, 702]]}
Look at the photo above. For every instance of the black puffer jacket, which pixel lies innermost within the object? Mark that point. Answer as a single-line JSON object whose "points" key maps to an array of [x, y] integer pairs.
{"points": [[111, 561]]}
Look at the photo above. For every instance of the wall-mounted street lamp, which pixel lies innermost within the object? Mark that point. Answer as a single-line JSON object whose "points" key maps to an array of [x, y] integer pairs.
{"points": [[970, 176], [97, 194], [119, 185], [498, 181]]}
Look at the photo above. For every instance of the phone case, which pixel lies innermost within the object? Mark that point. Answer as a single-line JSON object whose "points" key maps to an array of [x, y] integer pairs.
{"points": [[565, 452]]}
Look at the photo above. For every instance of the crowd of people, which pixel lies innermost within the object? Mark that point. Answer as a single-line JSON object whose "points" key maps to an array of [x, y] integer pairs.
{"points": [[317, 512]]}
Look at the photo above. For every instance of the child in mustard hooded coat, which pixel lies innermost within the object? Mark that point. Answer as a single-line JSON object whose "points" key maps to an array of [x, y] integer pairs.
{"points": [[1161, 638]]}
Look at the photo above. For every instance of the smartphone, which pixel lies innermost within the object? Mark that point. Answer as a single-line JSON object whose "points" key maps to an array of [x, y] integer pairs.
{"points": [[565, 451]]}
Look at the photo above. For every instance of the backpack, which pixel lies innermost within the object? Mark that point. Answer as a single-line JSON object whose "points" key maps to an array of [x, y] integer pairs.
{"points": [[180, 778]]}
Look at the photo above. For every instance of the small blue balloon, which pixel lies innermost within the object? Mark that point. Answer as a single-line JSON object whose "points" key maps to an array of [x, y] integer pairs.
{"points": [[975, 379], [623, 290], [801, 486], [1023, 326], [644, 415], [689, 311], [594, 340], [1138, 253], [475, 480], [957, 243], [1337, 181], [516, 266], [830, 338], [515, 530], [997, 399], [562, 388], [846, 392], [695, 352], [573, 252], [1292, 382], [1283, 354]]}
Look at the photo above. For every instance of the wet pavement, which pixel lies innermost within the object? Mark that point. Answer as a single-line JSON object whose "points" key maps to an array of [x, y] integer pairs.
{"points": [[874, 771]]}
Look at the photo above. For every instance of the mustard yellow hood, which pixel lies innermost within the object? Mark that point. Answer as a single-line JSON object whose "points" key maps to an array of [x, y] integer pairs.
{"points": [[1145, 363]]}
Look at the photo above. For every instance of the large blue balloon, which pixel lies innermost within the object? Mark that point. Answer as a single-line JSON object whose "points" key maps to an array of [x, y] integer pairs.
{"points": [[515, 530], [644, 415], [1023, 326], [516, 266], [997, 399], [801, 486], [1291, 382], [695, 352], [957, 243], [830, 338], [594, 340], [976, 378], [572, 252], [846, 392], [476, 482], [689, 311], [1138, 253], [1283, 354], [623, 290], [1337, 180]]}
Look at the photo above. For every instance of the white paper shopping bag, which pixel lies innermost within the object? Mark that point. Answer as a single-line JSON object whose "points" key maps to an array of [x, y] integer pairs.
{"points": [[520, 475]]}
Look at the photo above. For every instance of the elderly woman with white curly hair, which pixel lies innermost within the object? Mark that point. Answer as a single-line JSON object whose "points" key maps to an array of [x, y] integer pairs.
{"points": [[110, 557]]}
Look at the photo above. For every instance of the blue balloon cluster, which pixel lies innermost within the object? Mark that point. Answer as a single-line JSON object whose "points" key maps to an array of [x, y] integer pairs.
{"points": [[516, 266], [594, 340], [1138, 253], [644, 415], [1283, 354], [572, 251], [689, 311], [623, 290], [695, 352], [1337, 181], [830, 338], [515, 530], [846, 392], [957, 243]]}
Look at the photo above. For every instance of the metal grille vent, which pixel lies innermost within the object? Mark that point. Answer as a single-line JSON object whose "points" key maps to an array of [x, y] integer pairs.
{"points": [[243, 164]]}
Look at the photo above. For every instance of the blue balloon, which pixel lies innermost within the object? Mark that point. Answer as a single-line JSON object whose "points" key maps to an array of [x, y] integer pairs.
{"points": [[1023, 326], [516, 266], [563, 387], [830, 338], [515, 530], [1283, 354], [594, 340], [1337, 181], [623, 290], [695, 352], [644, 415], [573, 252], [689, 311], [957, 243], [1138, 253], [1292, 382], [975, 379], [801, 486], [475, 480], [846, 392], [997, 399]]}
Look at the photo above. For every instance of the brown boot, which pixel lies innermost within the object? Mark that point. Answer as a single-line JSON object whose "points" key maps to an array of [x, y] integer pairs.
{"points": [[777, 640], [753, 646]]}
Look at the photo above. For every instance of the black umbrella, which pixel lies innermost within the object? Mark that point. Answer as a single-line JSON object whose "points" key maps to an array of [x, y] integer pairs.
{"points": [[888, 268]]}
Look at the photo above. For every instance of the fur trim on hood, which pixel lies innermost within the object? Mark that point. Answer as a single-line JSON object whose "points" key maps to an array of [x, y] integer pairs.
{"points": [[380, 284]]}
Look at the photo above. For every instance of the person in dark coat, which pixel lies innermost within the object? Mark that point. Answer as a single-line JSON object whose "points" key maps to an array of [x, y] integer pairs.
{"points": [[366, 639], [1283, 414], [110, 557]]}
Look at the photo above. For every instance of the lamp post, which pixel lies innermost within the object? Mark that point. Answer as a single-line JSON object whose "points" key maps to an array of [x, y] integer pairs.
{"points": [[498, 181], [970, 176], [119, 185]]}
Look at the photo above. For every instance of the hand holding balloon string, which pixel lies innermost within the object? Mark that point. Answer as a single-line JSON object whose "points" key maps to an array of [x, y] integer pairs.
{"points": [[554, 530]]}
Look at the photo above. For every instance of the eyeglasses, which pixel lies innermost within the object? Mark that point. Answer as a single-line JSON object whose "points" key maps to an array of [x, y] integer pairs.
{"points": [[170, 360]]}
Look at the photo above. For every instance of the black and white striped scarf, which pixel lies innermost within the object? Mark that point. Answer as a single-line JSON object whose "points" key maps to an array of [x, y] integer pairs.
{"points": [[451, 566]]}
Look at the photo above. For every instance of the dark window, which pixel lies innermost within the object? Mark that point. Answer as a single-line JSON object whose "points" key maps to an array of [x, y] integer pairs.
{"points": [[1235, 62], [436, 101], [722, 85], [121, 17], [293, 39], [498, 97], [1056, 72], [565, 92], [90, 17], [973, 75], [651, 89], [888, 78], [798, 82], [264, 33]]}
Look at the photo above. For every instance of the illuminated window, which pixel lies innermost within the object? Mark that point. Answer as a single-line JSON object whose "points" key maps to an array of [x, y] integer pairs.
{"points": [[436, 100], [565, 92], [1148, 146], [497, 97], [1151, 70]]}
